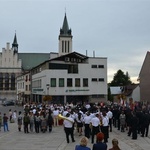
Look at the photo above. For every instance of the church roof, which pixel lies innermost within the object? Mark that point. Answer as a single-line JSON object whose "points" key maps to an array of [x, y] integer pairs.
{"points": [[15, 44], [65, 31], [30, 60]]}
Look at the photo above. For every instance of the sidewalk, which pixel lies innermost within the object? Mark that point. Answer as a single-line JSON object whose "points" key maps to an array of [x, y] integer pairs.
{"points": [[14, 140]]}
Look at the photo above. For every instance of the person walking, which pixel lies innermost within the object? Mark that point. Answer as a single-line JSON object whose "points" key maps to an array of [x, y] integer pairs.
{"points": [[79, 120], [86, 120], [145, 125], [122, 121], [55, 115], [14, 115], [68, 127], [37, 122], [43, 123], [95, 125], [5, 122], [31, 116], [105, 126], [26, 121], [50, 121], [10, 115], [19, 121], [134, 122], [110, 116]]}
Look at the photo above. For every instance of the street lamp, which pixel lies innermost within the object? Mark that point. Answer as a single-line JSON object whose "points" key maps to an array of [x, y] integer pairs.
{"points": [[47, 85]]}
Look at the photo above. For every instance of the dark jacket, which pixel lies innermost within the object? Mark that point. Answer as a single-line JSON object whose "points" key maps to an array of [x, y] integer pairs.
{"points": [[99, 146]]}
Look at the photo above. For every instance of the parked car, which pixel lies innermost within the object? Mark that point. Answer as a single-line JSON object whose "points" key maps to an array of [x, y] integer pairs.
{"points": [[8, 103]]}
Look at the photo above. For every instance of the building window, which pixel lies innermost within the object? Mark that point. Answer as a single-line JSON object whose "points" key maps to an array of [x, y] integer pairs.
{"points": [[79, 60], [12, 81], [1, 81], [94, 79], [53, 82], [37, 83], [67, 59], [65, 46], [26, 87], [98, 96], [61, 82], [77, 82], [69, 82], [94, 66], [68, 46], [62, 46], [100, 66], [85, 82], [72, 68], [26, 78], [6, 81], [101, 79]]}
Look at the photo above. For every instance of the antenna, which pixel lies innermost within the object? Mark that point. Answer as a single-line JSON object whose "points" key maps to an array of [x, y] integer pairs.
{"points": [[86, 52], [93, 53], [65, 10]]}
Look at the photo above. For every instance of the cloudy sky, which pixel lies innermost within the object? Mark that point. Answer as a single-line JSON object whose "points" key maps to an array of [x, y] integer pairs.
{"points": [[116, 29]]}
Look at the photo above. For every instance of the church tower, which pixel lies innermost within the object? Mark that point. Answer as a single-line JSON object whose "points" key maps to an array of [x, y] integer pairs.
{"points": [[15, 45], [65, 38]]}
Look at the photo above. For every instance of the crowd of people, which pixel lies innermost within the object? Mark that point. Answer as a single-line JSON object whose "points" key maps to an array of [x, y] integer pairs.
{"points": [[89, 120]]}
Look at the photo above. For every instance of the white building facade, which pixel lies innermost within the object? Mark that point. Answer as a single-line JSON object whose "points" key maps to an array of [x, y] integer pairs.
{"points": [[23, 88], [70, 76], [71, 81], [10, 68]]}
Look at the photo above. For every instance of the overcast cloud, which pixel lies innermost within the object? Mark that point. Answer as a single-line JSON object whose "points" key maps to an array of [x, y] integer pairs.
{"points": [[116, 29]]}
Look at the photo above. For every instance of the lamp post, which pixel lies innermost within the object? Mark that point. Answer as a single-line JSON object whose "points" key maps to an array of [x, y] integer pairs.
{"points": [[47, 85]]}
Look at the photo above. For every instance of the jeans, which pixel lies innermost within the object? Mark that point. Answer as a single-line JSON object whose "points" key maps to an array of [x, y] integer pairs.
{"points": [[5, 126]]}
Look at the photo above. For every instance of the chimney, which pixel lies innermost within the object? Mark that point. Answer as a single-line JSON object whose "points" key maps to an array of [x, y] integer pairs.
{"points": [[7, 45], [86, 52], [93, 53]]}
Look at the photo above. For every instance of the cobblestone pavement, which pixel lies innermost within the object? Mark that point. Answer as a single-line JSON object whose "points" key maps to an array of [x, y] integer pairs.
{"points": [[56, 140]]}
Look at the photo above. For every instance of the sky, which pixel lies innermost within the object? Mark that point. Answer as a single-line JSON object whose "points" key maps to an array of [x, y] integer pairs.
{"points": [[116, 29]]}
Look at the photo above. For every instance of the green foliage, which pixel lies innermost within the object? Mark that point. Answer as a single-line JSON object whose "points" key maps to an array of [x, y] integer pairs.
{"points": [[120, 79]]}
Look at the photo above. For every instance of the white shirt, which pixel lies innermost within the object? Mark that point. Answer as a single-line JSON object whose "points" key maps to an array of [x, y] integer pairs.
{"points": [[56, 112], [87, 119], [105, 121], [95, 121], [109, 114], [67, 123], [64, 113], [34, 111]]}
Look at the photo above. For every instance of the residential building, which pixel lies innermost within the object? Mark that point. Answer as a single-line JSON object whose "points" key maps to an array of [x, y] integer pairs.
{"points": [[23, 88], [144, 78]]}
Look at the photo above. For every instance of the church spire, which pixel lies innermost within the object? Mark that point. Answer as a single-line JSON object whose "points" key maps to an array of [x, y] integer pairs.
{"points": [[15, 44], [65, 38], [65, 31]]}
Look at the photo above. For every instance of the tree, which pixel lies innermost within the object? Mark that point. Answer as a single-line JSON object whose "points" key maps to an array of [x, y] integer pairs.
{"points": [[120, 79], [47, 98]]}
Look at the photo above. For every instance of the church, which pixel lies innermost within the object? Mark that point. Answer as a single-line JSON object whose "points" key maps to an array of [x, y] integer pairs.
{"points": [[67, 76]]}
